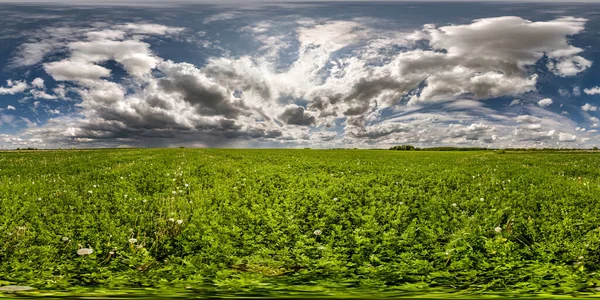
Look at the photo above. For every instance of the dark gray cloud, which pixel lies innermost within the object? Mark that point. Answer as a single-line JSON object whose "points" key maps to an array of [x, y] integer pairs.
{"points": [[296, 115]]}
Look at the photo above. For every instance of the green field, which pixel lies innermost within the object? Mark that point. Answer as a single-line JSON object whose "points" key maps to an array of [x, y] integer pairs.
{"points": [[283, 222]]}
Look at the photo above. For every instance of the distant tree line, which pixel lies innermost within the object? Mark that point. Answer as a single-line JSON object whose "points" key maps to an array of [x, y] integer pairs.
{"points": [[413, 148]]}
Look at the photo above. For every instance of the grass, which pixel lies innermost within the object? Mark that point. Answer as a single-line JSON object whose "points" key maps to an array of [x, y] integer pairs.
{"points": [[300, 222]]}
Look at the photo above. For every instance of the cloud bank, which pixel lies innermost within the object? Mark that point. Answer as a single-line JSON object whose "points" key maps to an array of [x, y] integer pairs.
{"points": [[344, 88]]}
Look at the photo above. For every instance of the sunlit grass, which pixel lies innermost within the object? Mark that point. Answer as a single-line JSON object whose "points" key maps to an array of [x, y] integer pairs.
{"points": [[306, 222]]}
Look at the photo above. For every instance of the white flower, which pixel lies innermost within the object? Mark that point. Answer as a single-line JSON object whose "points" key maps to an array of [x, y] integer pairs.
{"points": [[90, 191], [179, 222], [186, 185], [174, 192], [65, 239], [95, 186], [317, 232], [111, 252], [85, 251], [171, 219], [132, 241], [335, 199], [144, 200], [481, 199], [498, 229], [454, 204]]}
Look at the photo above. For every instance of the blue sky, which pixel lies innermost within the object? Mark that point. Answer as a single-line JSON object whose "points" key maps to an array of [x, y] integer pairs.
{"points": [[299, 74]]}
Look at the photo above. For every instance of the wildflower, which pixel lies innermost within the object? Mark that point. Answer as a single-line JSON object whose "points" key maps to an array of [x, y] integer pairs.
{"points": [[95, 186], [186, 185], [90, 191], [85, 251], [317, 232], [498, 229], [481, 199], [179, 222], [454, 204], [65, 239], [335, 199], [171, 219], [111, 252], [132, 241], [174, 192], [144, 200]]}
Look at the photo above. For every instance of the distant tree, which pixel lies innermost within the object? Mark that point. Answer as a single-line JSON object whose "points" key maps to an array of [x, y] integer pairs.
{"points": [[595, 148], [404, 147]]}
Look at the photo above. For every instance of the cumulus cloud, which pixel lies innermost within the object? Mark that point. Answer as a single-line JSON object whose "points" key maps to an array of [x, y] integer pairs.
{"points": [[69, 70], [589, 107], [342, 74], [566, 137], [38, 83], [545, 102], [296, 115], [592, 91], [13, 87]]}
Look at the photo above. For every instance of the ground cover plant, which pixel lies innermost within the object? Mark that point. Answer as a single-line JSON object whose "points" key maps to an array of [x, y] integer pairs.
{"points": [[270, 222]]}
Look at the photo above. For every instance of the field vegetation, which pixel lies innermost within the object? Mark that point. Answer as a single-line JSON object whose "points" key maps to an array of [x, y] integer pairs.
{"points": [[277, 222]]}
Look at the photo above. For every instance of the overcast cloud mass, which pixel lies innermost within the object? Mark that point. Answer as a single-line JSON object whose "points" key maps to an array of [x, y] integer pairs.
{"points": [[313, 74]]}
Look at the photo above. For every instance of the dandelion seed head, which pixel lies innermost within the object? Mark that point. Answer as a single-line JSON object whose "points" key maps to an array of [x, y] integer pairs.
{"points": [[454, 204], [179, 222], [65, 239], [132, 241], [317, 232], [498, 229]]}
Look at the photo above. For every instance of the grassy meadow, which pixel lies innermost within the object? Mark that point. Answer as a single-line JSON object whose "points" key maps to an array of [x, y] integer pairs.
{"points": [[285, 222]]}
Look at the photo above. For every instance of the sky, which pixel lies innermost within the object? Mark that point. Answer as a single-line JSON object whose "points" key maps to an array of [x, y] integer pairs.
{"points": [[299, 74]]}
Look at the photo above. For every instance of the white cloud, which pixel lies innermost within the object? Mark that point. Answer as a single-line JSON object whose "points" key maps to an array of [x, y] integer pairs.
{"points": [[545, 102], [343, 74], [38, 83], [221, 17], [13, 87], [566, 137], [588, 107], [10, 107], [68, 70], [148, 28], [515, 102], [592, 91]]}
